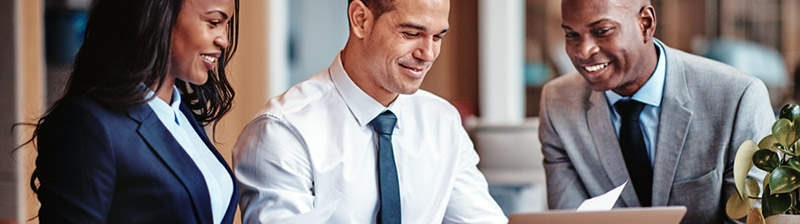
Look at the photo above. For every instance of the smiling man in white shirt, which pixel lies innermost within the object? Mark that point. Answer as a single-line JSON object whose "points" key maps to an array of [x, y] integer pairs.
{"points": [[358, 143]]}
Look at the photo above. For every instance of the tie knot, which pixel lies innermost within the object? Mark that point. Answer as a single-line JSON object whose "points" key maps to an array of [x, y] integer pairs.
{"points": [[384, 123], [629, 109]]}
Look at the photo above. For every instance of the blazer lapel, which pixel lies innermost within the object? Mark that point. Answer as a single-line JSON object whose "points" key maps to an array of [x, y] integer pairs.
{"points": [[607, 146], [229, 214], [672, 129], [167, 148]]}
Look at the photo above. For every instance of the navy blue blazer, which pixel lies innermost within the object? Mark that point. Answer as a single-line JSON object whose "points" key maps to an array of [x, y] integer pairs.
{"points": [[101, 166]]}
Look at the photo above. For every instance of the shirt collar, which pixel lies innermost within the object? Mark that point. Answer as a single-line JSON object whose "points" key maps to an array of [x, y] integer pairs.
{"points": [[652, 91], [363, 107], [164, 110]]}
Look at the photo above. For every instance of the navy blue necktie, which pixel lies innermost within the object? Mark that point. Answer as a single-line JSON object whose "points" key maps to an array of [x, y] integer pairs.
{"points": [[631, 141], [389, 211]]}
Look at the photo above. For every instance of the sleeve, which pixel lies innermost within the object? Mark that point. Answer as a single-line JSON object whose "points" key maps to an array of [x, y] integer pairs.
{"points": [[272, 166], [753, 121], [564, 187], [470, 201], [75, 168]]}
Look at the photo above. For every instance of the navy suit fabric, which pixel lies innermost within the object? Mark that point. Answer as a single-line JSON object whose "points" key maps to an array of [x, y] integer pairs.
{"points": [[96, 165]]}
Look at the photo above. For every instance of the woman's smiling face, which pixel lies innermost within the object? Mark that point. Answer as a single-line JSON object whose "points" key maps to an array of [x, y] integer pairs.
{"points": [[198, 37]]}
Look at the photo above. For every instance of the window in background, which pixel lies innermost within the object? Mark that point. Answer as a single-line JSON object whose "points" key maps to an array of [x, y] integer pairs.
{"points": [[65, 21], [759, 37], [545, 58], [317, 31]]}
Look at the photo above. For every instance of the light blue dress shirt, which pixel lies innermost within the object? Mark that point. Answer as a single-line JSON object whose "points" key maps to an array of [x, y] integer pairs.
{"points": [[218, 181], [650, 94]]}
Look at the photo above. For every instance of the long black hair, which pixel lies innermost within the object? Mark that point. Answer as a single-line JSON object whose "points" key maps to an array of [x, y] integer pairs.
{"points": [[127, 44]]}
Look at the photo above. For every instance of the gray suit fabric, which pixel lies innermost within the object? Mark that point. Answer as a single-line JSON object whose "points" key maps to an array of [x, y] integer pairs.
{"points": [[708, 109]]}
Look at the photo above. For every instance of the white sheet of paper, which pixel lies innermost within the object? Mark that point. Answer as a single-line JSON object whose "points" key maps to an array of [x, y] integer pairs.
{"points": [[603, 202]]}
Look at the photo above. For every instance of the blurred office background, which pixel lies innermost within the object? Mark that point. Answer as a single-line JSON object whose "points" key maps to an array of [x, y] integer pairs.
{"points": [[492, 67]]}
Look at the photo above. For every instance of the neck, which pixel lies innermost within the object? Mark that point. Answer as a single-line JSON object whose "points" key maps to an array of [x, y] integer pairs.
{"points": [[165, 92], [362, 77], [647, 67]]}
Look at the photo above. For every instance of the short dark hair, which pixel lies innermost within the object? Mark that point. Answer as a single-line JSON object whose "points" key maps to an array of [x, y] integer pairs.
{"points": [[378, 7]]}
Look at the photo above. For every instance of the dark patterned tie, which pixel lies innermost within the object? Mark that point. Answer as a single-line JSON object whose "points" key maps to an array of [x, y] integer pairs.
{"points": [[389, 211], [631, 141]]}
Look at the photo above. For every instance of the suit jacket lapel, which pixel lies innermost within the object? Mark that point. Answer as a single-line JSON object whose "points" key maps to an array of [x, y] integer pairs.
{"points": [[607, 146], [229, 214], [167, 148], [672, 129]]}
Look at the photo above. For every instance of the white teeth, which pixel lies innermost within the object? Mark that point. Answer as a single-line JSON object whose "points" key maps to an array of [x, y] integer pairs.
{"points": [[595, 68], [209, 58]]}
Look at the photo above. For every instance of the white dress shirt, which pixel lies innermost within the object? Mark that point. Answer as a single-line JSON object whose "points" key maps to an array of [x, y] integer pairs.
{"points": [[650, 95], [218, 181], [310, 157]]}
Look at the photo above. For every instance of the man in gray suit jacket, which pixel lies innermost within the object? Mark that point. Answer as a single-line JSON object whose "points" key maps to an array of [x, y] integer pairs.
{"points": [[664, 120]]}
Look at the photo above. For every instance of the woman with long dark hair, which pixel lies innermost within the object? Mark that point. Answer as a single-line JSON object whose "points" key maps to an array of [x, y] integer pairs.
{"points": [[126, 142]]}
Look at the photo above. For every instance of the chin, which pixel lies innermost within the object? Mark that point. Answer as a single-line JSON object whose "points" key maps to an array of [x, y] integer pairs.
{"points": [[199, 79], [599, 86]]}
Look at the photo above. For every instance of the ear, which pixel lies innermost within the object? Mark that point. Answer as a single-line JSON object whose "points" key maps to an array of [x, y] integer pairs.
{"points": [[361, 19], [647, 22]]}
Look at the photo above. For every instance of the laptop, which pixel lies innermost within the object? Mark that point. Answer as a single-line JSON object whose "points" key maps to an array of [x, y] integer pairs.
{"points": [[652, 215]]}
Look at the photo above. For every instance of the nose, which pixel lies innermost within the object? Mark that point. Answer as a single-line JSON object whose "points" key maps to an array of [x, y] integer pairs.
{"points": [[222, 41], [586, 48], [426, 51]]}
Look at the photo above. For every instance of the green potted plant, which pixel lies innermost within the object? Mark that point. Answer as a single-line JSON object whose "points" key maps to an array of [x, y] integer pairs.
{"points": [[779, 155]]}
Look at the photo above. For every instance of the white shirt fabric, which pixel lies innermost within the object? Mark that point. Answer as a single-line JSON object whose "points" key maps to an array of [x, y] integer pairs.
{"points": [[310, 157], [650, 95], [218, 181]]}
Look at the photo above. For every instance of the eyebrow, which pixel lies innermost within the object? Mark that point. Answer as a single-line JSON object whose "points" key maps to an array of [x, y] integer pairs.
{"points": [[590, 25], [224, 15], [597, 22], [420, 27]]}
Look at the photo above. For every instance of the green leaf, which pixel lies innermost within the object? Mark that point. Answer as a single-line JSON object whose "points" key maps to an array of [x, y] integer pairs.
{"points": [[775, 203], [770, 143], [791, 151], [785, 132], [742, 164], [766, 160], [787, 151], [755, 217], [789, 111], [784, 179], [794, 162]]}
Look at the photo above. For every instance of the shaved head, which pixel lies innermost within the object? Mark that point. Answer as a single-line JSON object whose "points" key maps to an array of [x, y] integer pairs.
{"points": [[618, 4]]}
